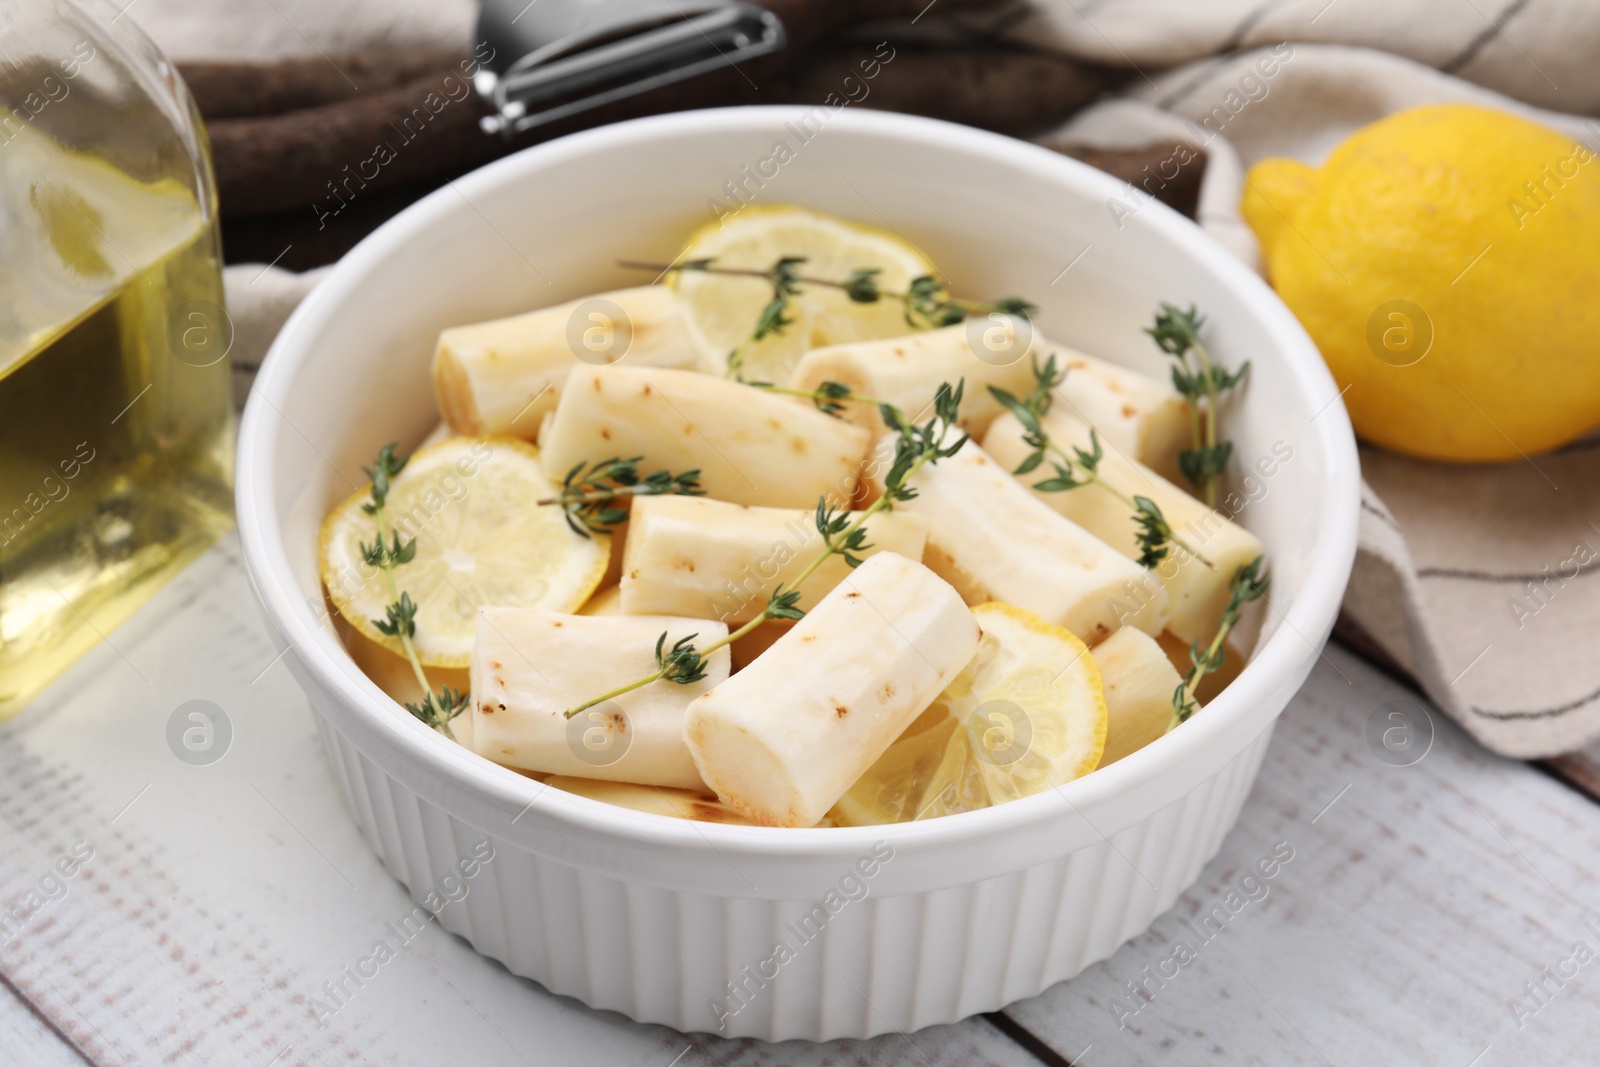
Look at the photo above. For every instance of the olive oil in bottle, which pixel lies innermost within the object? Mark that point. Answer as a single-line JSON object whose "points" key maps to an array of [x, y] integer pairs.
{"points": [[116, 426]]}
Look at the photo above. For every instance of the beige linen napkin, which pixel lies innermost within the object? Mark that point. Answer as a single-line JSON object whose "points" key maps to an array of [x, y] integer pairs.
{"points": [[258, 30], [1538, 51]]}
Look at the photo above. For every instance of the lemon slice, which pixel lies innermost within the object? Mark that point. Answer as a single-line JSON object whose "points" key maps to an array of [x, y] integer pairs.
{"points": [[482, 539], [1027, 714], [724, 309]]}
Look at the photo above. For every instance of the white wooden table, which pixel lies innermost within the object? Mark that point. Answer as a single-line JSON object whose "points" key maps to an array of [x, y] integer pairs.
{"points": [[1418, 901]]}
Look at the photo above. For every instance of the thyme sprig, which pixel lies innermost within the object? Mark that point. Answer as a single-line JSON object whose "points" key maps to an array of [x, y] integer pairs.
{"points": [[1155, 536], [926, 301], [784, 275], [400, 615], [680, 662], [829, 397], [1249, 582], [589, 497], [843, 534], [1177, 333]]}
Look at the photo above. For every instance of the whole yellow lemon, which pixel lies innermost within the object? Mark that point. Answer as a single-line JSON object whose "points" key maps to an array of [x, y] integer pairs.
{"points": [[1446, 260]]}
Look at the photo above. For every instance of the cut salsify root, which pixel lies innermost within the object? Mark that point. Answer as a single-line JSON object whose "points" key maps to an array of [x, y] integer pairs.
{"points": [[843, 533]]}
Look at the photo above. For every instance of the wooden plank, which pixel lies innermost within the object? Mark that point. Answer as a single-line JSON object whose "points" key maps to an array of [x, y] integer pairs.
{"points": [[219, 900], [26, 1039], [1405, 922], [1580, 770], [1418, 901]]}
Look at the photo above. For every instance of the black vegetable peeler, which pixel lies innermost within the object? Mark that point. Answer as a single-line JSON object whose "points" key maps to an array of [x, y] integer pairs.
{"points": [[548, 59]]}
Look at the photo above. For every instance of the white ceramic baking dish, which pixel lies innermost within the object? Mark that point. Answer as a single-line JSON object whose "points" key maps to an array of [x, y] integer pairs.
{"points": [[677, 922]]}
